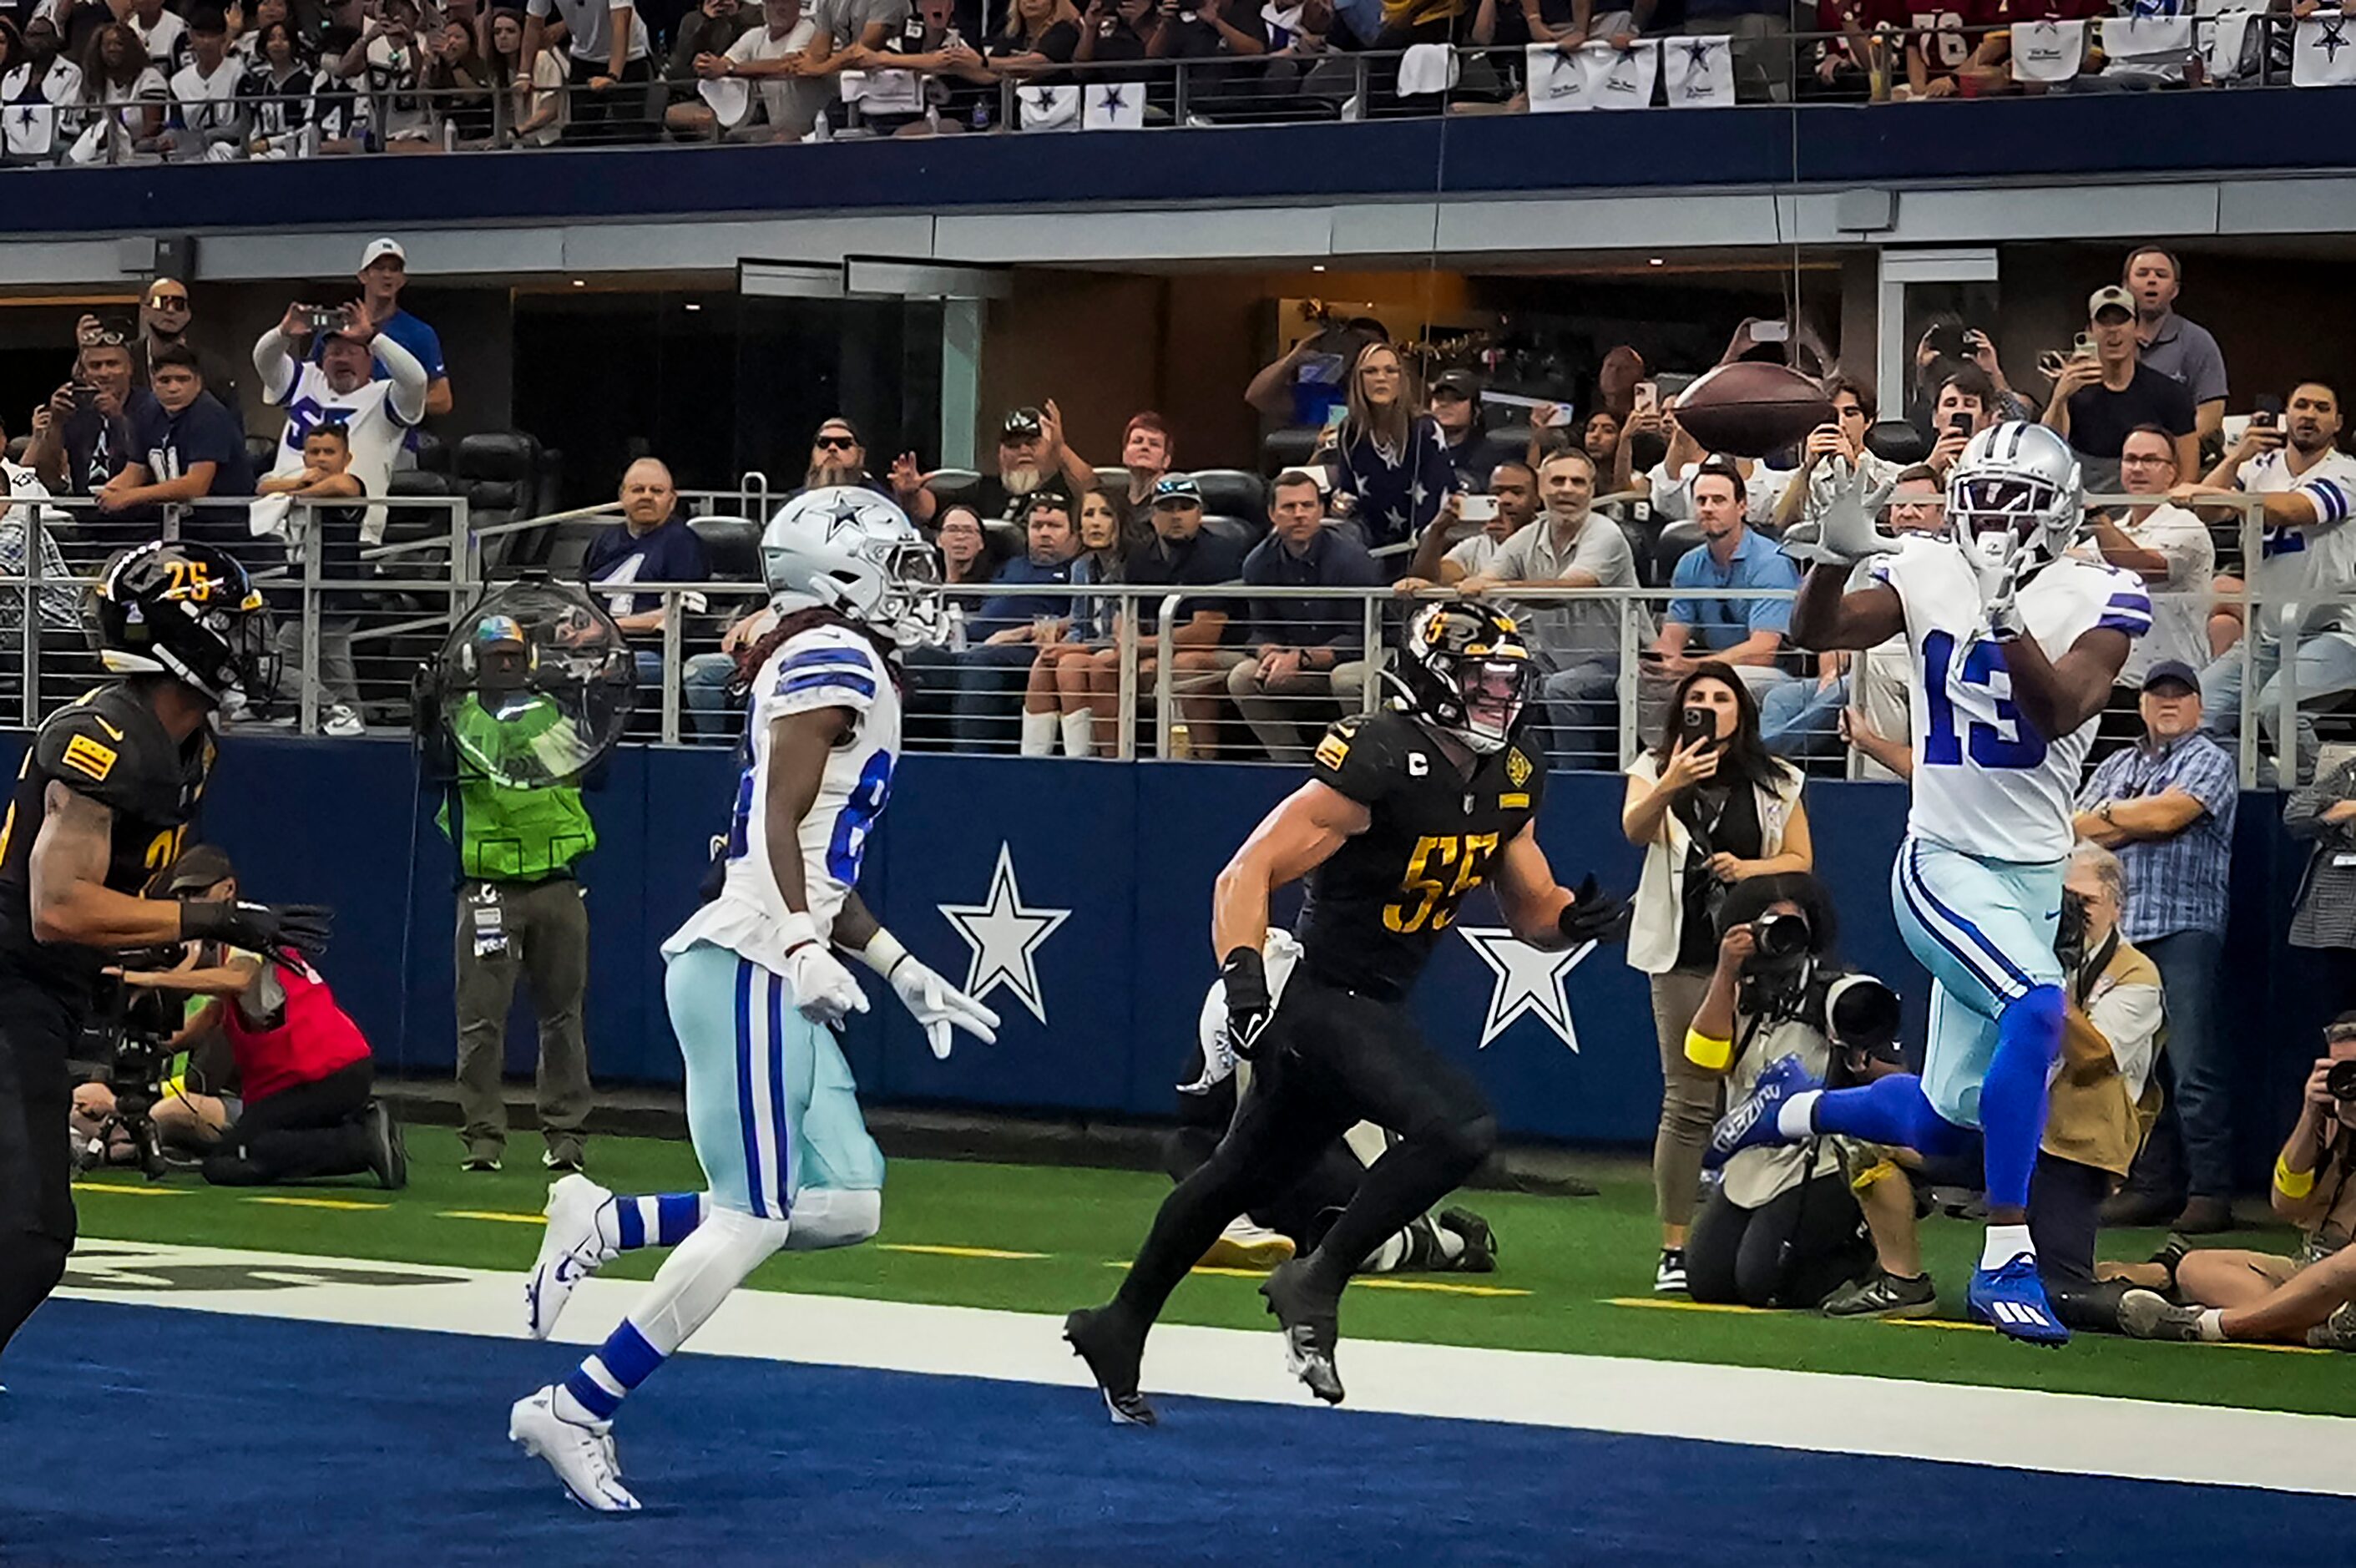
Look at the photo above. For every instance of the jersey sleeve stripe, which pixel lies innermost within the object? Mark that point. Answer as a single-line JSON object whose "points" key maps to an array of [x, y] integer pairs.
{"points": [[2127, 624], [838, 680], [2330, 500], [2131, 602], [815, 657]]}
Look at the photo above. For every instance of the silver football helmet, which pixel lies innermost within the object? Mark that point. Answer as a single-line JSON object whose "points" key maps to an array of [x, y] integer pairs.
{"points": [[2014, 501], [852, 550]]}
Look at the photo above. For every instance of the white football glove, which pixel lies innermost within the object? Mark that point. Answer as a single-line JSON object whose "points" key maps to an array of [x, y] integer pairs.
{"points": [[1848, 532], [824, 992], [941, 1008]]}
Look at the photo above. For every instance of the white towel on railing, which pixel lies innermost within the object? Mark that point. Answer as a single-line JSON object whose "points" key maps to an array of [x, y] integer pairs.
{"points": [[1115, 106], [1624, 80], [1049, 108], [2323, 53], [884, 92], [729, 97], [1700, 71], [2048, 50], [1427, 68], [1592, 76], [2225, 42], [2150, 48], [1559, 83]]}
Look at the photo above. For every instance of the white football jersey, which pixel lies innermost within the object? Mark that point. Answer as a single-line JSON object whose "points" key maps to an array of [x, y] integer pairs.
{"points": [[373, 425], [1985, 782], [825, 666]]}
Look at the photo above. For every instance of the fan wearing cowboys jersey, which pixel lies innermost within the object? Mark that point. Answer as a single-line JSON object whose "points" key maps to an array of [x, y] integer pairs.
{"points": [[376, 416], [104, 798], [1406, 811]]}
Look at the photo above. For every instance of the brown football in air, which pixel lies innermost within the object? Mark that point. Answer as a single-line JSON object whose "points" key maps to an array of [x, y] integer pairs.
{"points": [[1752, 408]]}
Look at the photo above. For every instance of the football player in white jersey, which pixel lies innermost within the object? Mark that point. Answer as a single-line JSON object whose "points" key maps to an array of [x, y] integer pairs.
{"points": [[377, 416], [2014, 647], [753, 985]]}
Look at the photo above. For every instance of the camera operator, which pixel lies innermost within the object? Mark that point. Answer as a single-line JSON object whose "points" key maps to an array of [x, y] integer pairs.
{"points": [[2232, 1295], [1782, 1227], [306, 1070]]}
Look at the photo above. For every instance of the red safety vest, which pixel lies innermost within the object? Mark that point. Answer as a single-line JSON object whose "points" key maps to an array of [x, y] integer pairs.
{"points": [[313, 1038]]}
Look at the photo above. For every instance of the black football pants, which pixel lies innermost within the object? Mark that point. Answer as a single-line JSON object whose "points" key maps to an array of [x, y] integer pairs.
{"points": [[1330, 1059], [312, 1130], [37, 1213]]}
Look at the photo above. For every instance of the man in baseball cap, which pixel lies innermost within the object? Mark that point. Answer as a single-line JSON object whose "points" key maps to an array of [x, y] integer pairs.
{"points": [[2102, 391], [383, 272]]}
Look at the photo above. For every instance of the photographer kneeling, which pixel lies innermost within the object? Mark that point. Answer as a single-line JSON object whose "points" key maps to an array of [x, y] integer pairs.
{"points": [[305, 1069], [1782, 1227]]}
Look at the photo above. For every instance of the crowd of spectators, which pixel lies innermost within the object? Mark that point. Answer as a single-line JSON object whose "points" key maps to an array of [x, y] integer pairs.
{"points": [[86, 82]]}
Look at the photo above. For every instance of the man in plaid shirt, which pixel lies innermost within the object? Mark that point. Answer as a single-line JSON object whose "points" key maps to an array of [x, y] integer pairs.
{"points": [[2165, 807], [21, 493]]}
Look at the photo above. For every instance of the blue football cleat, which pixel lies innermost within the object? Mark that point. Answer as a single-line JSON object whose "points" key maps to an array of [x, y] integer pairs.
{"points": [[1752, 1124], [2011, 1300]]}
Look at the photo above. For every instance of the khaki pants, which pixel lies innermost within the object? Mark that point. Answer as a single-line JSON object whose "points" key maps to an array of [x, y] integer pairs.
{"points": [[1688, 1097], [541, 930], [1286, 717]]}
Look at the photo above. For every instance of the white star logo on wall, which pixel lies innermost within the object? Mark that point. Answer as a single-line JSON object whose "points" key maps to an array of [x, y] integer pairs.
{"points": [[1526, 979], [1005, 934]]}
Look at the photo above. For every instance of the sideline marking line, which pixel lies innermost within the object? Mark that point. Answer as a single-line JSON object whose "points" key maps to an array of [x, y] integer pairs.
{"points": [[345, 1203], [127, 1191], [1831, 1412], [938, 1250], [493, 1214]]}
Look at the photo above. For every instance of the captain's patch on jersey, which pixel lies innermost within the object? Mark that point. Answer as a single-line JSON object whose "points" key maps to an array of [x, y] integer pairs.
{"points": [[92, 759]]}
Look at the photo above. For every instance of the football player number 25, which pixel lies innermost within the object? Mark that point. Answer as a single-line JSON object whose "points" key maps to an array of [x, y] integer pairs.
{"points": [[2010, 742], [1441, 870]]}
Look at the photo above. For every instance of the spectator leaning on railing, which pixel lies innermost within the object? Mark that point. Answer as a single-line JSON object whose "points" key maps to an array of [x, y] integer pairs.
{"points": [[40, 85], [208, 121], [87, 439], [1747, 633], [1005, 632], [2306, 563], [375, 415], [1577, 641], [389, 62], [59, 606], [611, 63], [2165, 806], [2181, 351], [536, 103], [1180, 553], [186, 447], [652, 543], [326, 476], [2166, 546], [1710, 808], [774, 55], [1304, 648], [122, 99]]}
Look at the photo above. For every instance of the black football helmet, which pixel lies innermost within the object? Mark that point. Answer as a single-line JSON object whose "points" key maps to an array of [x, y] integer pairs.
{"points": [[191, 612], [1464, 669]]}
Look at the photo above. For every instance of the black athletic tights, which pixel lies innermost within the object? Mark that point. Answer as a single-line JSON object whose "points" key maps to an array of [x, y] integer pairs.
{"points": [[1328, 1061], [36, 1216]]}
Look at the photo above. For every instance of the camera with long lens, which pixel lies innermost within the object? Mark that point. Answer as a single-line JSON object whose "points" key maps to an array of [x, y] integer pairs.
{"points": [[2070, 935], [129, 1049], [2342, 1082]]}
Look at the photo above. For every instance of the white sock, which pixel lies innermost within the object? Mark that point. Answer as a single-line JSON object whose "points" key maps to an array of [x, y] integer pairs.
{"points": [[1452, 1245], [1388, 1256], [1796, 1118], [2005, 1242], [1080, 733], [2212, 1326], [1038, 733]]}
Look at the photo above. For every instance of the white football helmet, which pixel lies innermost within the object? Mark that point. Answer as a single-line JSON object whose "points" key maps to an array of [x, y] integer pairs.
{"points": [[2014, 501], [852, 549]]}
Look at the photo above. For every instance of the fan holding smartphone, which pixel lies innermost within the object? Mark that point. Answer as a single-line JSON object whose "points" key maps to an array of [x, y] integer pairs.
{"points": [[1710, 807]]}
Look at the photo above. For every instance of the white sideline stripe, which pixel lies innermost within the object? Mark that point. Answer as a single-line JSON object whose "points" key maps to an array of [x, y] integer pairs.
{"points": [[1817, 1412]]}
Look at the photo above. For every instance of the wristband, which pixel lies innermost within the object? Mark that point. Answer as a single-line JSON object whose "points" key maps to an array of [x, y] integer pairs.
{"points": [[1706, 1051], [883, 952], [2291, 1184], [798, 930]]}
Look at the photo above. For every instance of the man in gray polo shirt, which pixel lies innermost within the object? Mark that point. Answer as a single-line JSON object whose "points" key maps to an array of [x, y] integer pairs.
{"points": [[611, 65], [1578, 642], [2181, 350]]}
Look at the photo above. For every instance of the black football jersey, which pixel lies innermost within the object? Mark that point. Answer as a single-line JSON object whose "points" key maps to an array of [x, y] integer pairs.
{"points": [[109, 746], [1375, 909]]}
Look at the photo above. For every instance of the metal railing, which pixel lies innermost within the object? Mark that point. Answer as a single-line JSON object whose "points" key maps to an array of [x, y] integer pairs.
{"points": [[1303, 82], [1167, 699]]}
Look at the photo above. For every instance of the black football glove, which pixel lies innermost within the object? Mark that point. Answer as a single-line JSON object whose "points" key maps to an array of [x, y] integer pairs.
{"points": [[1248, 1008], [1593, 916], [272, 929]]}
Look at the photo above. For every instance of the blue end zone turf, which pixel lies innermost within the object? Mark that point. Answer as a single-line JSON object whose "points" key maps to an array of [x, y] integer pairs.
{"points": [[167, 1435]]}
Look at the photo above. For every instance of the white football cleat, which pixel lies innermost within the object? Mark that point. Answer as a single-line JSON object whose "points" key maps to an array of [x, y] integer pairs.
{"points": [[583, 1457], [570, 1252]]}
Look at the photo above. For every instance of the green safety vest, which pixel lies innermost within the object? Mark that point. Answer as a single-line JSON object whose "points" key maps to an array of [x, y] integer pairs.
{"points": [[506, 832]]}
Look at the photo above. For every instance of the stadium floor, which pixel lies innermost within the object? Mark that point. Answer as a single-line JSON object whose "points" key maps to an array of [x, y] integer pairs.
{"points": [[323, 1374]]}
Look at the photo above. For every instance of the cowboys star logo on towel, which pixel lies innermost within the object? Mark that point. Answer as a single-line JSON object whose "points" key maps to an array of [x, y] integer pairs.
{"points": [[1114, 106], [1049, 108], [2324, 52], [1700, 73]]}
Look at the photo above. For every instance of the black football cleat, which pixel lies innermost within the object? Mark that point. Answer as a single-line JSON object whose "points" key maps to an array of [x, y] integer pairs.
{"points": [[1312, 1327], [1098, 1335], [1480, 1254]]}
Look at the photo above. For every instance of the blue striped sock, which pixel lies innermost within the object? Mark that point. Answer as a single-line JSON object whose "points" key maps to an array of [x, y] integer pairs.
{"points": [[597, 1387], [663, 1221]]}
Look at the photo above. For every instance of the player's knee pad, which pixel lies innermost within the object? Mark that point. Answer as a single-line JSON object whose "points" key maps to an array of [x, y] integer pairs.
{"points": [[701, 1271], [833, 1216]]}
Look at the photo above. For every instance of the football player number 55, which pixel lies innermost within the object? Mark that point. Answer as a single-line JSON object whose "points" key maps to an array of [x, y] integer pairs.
{"points": [[1428, 893]]}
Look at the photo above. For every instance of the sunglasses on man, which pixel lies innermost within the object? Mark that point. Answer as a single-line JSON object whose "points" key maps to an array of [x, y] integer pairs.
{"points": [[836, 442]]}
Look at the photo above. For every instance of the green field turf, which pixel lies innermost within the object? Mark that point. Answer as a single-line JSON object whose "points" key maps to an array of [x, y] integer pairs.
{"points": [[1569, 1258]]}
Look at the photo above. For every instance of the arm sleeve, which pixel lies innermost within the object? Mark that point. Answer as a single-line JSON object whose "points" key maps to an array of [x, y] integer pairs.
{"points": [[1355, 759], [407, 402], [275, 366]]}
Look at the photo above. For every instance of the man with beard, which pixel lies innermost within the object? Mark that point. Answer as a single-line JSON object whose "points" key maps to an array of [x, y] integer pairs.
{"points": [[839, 458], [1031, 456]]}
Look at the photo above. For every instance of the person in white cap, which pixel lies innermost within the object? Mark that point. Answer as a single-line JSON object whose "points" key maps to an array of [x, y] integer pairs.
{"points": [[384, 269]]}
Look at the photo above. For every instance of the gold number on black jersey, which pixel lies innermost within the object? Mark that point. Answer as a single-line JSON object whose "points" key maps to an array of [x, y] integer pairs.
{"points": [[1427, 893], [164, 847]]}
